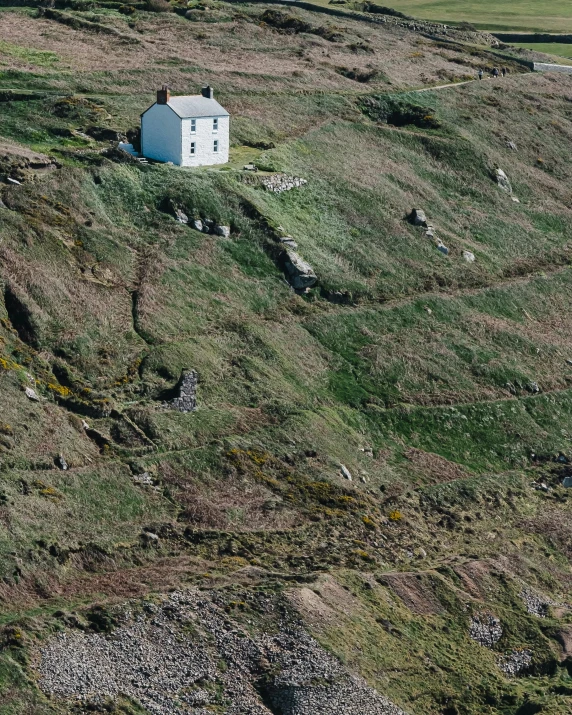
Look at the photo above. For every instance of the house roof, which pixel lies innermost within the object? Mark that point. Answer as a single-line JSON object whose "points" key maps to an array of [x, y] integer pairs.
{"points": [[196, 106]]}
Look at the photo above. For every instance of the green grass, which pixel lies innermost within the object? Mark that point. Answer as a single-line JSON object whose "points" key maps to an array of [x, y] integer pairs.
{"points": [[559, 49], [507, 16]]}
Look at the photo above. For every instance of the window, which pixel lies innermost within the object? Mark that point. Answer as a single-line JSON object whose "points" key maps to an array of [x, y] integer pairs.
{"points": [[193, 126], [215, 147], [192, 148], [215, 125]]}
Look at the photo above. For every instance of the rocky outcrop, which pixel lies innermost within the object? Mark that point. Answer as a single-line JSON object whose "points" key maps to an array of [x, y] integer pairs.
{"points": [[299, 272], [503, 181], [185, 398]]}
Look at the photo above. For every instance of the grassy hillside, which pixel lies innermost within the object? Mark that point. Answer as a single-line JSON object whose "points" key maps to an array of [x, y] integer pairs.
{"points": [[442, 386]]}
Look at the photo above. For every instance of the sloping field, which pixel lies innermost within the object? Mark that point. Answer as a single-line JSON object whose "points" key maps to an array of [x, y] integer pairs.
{"points": [[370, 496]]}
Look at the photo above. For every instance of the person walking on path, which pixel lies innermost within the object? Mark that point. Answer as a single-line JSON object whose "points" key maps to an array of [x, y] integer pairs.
{"points": [[495, 72], [480, 73], [503, 71]]}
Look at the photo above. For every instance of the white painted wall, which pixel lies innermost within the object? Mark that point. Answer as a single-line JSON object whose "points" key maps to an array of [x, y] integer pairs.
{"points": [[204, 142], [161, 134]]}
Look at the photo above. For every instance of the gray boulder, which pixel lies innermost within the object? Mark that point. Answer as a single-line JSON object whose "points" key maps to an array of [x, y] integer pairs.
{"points": [[418, 217], [468, 256], [223, 231], [181, 216], [300, 273], [197, 224], [503, 181]]}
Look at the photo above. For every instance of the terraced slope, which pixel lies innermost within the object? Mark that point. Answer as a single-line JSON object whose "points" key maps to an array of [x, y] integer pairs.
{"points": [[370, 497]]}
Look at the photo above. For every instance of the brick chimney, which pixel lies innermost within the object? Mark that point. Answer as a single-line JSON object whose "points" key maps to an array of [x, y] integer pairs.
{"points": [[163, 95], [207, 91]]}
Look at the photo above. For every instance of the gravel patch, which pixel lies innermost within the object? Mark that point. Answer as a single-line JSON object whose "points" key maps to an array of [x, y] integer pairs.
{"points": [[185, 655]]}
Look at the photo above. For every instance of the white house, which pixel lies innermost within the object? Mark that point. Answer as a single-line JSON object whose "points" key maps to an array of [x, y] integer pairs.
{"points": [[189, 131]]}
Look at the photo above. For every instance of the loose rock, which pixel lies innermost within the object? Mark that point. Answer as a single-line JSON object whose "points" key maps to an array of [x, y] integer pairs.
{"points": [[485, 629], [503, 181], [346, 472], [300, 273], [186, 389]]}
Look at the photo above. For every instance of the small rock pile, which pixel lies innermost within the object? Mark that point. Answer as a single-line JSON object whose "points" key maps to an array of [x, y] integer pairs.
{"points": [[485, 629], [169, 657], [515, 662], [186, 400], [205, 225], [536, 604], [277, 183]]}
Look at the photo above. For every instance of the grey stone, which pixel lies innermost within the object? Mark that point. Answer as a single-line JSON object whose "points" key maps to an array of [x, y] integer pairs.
{"points": [[511, 145], [300, 273], [503, 181], [223, 231], [31, 395], [10, 180], [197, 224], [156, 659], [186, 389], [567, 482], [441, 247], [277, 183], [515, 662], [208, 225], [346, 472], [485, 629], [288, 241], [418, 217], [61, 462], [181, 216], [144, 479], [468, 256]]}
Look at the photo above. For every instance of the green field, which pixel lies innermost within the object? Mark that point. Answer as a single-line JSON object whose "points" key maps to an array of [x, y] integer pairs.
{"points": [[504, 15], [560, 49]]}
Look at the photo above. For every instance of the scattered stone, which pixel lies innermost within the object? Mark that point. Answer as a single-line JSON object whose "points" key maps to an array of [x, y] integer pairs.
{"points": [[536, 604], [346, 472], [468, 256], [300, 273], [277, 183], [31, 394], [441, 247], [61, 462], [515, 662], [533, 387], [511, 145], [421, 553], [223, 231], [197, 224], [169, 657], [208, 225], [516, 201], [567, 482], [485, 629], [569, 362], [502, 181], [430, 232], [144, 479], [186, 393], [418, 218], [10, 180]]}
